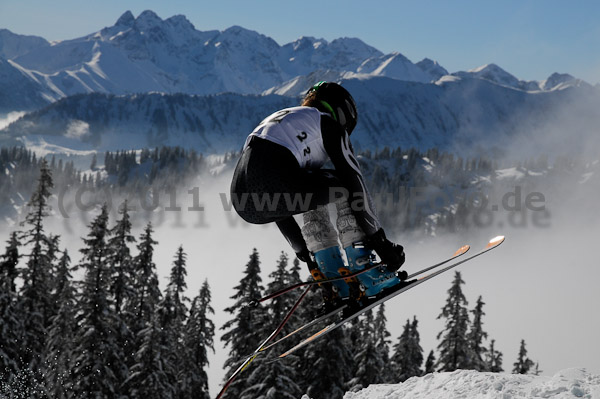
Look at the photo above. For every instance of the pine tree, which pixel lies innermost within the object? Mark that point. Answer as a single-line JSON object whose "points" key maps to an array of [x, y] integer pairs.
{"points": [[408, 354], [368, 359], [11, 327], [121, 261], [454, 346], [330, 362], [122, 279], [382, 342], [274, 380], [430, 363], [147, 294], [172, 310], [152, 375], [61, 334], [35, 298], [198, 339], [523, 364], [493, 359], [98, 366], [476, 336], [243, 331]]}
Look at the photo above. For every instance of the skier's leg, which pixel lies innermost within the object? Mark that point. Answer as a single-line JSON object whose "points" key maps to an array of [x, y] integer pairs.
{"points": [[352, 237], [322, 241]]}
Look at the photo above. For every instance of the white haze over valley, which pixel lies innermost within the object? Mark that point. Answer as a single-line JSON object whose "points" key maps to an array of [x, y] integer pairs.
{"points": [[540, 285]]}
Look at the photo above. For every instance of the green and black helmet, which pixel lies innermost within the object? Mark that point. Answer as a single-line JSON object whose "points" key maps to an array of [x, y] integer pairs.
{"points": [[337, 101]]}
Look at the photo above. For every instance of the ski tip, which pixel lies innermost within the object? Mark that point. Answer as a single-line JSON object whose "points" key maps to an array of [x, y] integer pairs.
{"points": [[461, 251], [494, 242]]}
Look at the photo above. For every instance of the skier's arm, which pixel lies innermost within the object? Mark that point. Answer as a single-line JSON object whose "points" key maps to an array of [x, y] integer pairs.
{"points": [[338, 147]]}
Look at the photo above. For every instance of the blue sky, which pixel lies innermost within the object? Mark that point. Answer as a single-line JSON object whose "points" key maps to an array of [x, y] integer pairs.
{"points": [[530, 39]]}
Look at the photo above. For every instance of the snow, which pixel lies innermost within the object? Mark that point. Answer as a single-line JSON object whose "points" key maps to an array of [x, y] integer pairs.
{"points": [[569, 383]]}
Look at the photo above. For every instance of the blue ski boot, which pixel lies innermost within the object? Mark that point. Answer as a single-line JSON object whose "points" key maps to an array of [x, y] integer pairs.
{"points": [[373, 282], [322, 241]]}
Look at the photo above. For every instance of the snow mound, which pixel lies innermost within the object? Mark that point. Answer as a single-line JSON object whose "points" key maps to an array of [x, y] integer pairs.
{"points": [[570, 383]]}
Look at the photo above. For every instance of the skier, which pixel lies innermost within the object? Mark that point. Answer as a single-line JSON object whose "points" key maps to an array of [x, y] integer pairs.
{"points": [[280, 175]]}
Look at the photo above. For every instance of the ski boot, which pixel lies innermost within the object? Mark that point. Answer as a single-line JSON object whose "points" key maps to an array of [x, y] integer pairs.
{"points": [[322, 242], [372, 283]]}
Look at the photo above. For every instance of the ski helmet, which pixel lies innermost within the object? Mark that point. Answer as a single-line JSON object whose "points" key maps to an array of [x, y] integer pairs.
{"points": [[337, 101]]}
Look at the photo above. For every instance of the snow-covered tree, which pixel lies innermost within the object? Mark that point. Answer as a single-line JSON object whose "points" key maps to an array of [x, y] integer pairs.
{"points": [[35, 298], [147, 294], [198, 339], [476, 336], [98, 369], [153, 375], [454, 346], [274, 380], [523, 364], [121, 284], [172, 311], [368, 359], [61, 334], [243, 332], [430, 363], [330, 364], [11, 326], [120, 260], [493, 359], [408, 354], [382, 342]]}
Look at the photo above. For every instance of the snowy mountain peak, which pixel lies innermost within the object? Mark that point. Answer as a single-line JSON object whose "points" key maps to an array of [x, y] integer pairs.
{"points": [[558, 81], [494, 73], [433, 68], [127, 19], [148, 19]]}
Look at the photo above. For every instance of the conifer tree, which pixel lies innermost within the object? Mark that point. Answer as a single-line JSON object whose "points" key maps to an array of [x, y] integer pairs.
{"points": [[368, 359], [35, 298], [98, 364], [408, 354], [382, 342], [430, 363], [454, 346], [523, 364], [120, 260], [243, 331], [198, 339], [11, 326], [151, 375], [493, 359], [476, 336], [122, 282], [277, 379], [172, 311], [61, 334], [330, 363], [146, 290]]}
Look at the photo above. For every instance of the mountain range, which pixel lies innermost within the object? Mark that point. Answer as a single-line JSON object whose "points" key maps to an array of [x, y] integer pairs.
{"points": [[148, 81]]}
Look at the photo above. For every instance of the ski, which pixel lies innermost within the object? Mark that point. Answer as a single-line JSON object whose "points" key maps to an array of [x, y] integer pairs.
{"points": [[249, 359], [493, 243], [459, 252]]}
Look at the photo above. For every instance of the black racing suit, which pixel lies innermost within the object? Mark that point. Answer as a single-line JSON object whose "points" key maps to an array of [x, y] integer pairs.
{"points": [[269, 185]]}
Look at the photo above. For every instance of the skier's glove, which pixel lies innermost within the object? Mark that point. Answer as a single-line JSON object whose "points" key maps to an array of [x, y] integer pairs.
{"points": [[391, 254]]}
